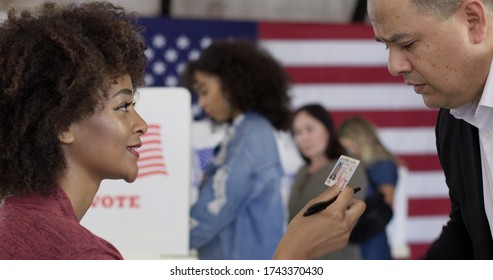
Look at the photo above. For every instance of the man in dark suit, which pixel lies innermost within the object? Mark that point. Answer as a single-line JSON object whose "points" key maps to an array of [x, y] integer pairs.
{"points": [[444, 49]]}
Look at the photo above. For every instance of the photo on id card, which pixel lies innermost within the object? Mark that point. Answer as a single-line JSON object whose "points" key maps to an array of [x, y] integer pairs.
{"points": [[342, 171]]}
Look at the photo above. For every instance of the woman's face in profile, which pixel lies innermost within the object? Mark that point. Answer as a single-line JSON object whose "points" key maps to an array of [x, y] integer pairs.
{"points": [[105, 145], [212, 97], [310, 135]]}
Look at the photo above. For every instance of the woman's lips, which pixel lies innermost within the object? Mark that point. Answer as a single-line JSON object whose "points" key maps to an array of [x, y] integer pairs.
{"points": [[133, 150]]}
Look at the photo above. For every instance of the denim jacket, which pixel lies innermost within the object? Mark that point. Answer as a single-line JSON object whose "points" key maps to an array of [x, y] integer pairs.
{"points": [[239, 213]]}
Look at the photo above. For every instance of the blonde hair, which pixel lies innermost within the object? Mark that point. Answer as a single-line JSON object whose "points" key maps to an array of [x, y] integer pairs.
{"points": [[363, 134]]}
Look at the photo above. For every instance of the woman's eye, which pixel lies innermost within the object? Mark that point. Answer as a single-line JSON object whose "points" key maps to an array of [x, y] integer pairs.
{"points": [[124, 107], [202, 93]]}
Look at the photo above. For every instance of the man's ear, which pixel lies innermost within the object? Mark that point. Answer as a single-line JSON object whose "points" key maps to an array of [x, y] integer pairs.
{"points": [[476, 15], [67, 136]]}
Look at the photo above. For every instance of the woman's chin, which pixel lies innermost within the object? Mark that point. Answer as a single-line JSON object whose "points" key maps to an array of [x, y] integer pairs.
{"points": [[130, 178]]}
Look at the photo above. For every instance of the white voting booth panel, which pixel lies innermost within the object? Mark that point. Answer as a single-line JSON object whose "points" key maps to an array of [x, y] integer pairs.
{"points": [[149, 218]]}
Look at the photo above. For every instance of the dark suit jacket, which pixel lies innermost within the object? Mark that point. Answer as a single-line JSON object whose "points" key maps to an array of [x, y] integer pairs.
{"points": [[467, 235]]}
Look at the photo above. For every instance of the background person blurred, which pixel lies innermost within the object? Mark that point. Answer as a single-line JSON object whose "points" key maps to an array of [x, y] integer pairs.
{"points": [[361, 140], [239, 213], [317, 141]]}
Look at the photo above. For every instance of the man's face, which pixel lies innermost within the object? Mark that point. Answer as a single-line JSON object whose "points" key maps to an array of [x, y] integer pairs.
{"points": [[436, 56]]}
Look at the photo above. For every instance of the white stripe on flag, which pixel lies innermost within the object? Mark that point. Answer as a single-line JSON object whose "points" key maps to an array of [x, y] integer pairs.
{"points": [[357, 96], [409, 140], [327, 52], [425, 184], [424, 229]]}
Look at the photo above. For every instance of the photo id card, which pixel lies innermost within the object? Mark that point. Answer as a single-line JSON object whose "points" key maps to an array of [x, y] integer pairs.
{"points": [[342, 171]]}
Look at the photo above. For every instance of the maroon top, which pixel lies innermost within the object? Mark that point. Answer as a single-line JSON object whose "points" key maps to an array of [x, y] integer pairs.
{"points": [[45, 227]]}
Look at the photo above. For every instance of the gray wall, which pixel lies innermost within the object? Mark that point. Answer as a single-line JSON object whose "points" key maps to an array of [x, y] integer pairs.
{"points": [[143, 7], [278, 10]]}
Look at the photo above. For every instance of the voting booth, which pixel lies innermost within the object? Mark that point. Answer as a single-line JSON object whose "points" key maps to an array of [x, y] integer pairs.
{"points": [[149, 218]]}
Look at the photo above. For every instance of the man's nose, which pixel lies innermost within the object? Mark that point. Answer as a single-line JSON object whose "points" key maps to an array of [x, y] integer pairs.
{"points": [[398, 63]]}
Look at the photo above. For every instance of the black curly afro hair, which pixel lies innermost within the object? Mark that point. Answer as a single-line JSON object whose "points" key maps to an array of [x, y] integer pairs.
{"points": [[56, 63], [250, 77]]}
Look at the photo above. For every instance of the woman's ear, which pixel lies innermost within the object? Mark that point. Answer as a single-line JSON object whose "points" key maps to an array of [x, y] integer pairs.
{"points": [[67, 136]]}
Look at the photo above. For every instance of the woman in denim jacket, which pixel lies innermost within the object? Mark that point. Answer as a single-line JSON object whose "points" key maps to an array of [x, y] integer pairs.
{"points": [[239, 213]]}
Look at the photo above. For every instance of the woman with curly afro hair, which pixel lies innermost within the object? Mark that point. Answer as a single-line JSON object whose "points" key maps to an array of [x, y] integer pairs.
{"points": [[67, 121]]}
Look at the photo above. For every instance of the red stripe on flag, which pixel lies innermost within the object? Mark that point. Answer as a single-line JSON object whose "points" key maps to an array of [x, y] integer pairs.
{"points": [[428, 206], [400, 118], [143, 166], [148, 134], [341, 75], [421, 162], [153, 126], [418, 250], [151, 142], [281, 30], [157, 172]]}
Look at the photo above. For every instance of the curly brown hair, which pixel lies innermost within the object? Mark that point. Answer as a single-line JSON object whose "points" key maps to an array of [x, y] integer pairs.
{"points": [[250, 77], [56, 64]]}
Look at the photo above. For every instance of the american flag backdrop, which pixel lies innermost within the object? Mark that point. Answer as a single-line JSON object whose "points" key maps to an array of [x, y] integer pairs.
{"points": [[343, 68]]}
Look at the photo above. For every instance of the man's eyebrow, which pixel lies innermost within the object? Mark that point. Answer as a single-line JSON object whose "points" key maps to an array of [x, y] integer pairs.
{"points": [[393, 38], [124, 91]]}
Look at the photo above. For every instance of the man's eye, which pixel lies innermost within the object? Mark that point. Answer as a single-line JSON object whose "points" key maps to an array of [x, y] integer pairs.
{"points": [[407, 46]]}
